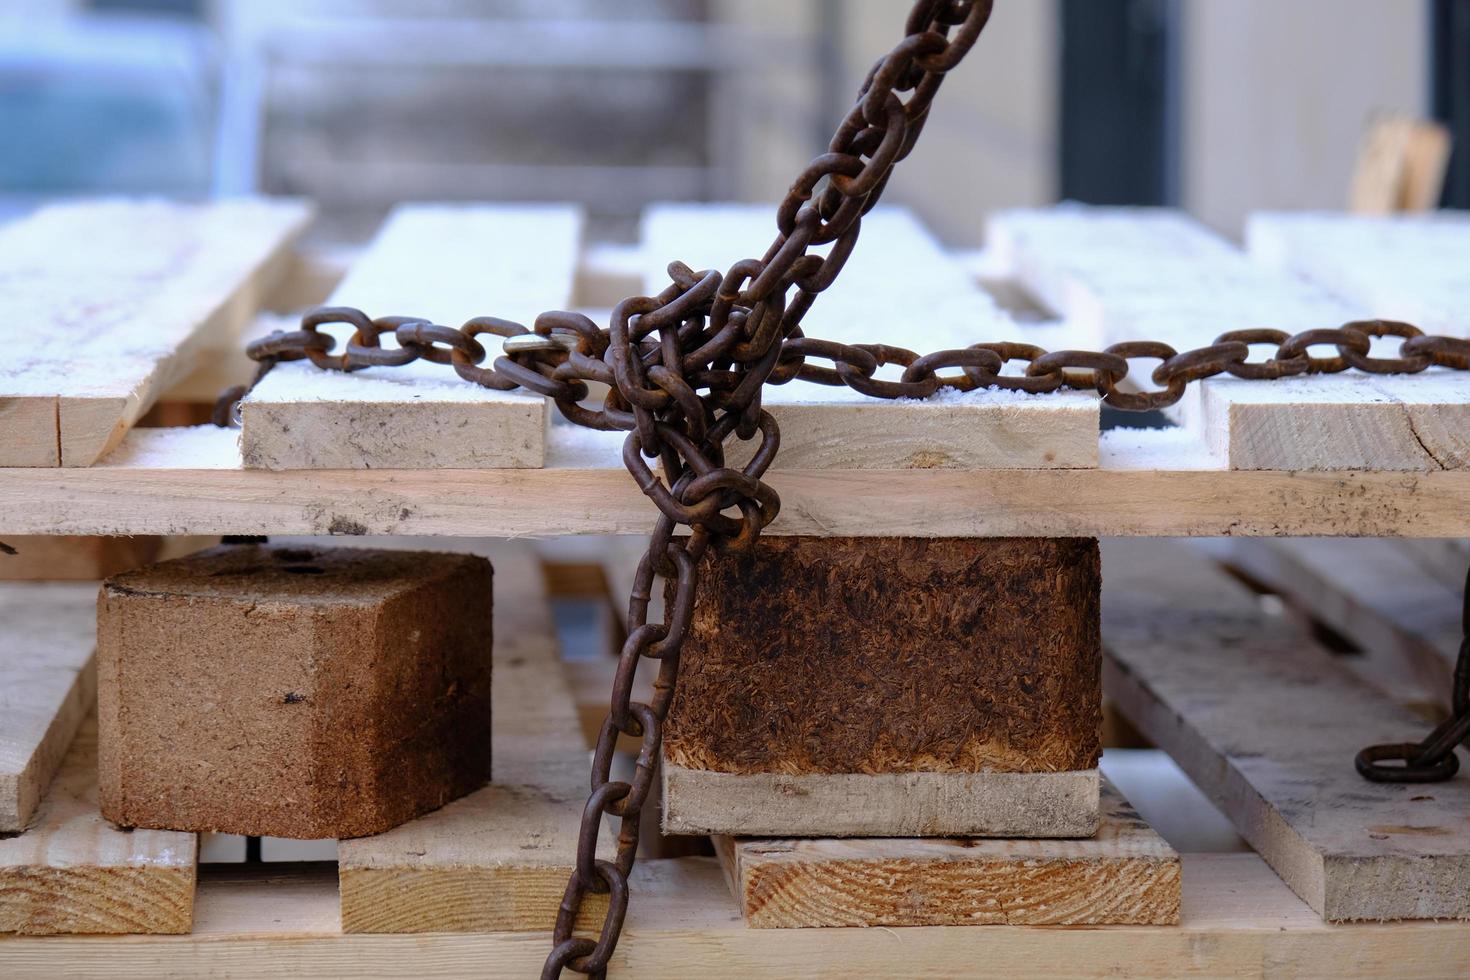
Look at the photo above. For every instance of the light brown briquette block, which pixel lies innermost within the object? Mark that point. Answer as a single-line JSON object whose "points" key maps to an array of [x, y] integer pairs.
{"points": [[890, 687], [1124, 875], [293, 691]]}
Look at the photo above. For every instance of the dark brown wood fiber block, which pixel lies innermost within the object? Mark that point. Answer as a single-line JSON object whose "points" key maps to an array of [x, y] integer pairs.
{"points": [[892, 655], [301, 692]]}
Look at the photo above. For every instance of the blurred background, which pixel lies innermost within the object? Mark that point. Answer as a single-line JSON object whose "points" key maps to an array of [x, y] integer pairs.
{"points": [[1217, 106]]}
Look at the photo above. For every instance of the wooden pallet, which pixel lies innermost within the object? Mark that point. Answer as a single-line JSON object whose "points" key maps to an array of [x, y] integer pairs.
{"points": [[1350, 455], [1235, 913]]}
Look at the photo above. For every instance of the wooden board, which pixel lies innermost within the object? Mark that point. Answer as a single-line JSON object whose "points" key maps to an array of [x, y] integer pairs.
{"points": [[921, 804], [189, 481], [1125, 874], [1409, 267], [73, 872], [1139, 273], [59, 558], [48, 684], [499, 858], [1236, 919], [1267, 725], [898, 287], [1401, 165], [448, 264], [109, 303], [1370, 591]]}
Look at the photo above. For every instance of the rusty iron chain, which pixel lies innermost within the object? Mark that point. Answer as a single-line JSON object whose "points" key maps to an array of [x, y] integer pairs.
{"points": [[1432, 760], [685, 370]]}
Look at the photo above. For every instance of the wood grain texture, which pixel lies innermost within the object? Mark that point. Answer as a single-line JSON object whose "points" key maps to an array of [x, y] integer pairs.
{"points": [[884, 655], [914, 804], [1267, 726], [497, 859], [73, 872], [1125, 874], [903, 288], [48, 684], [1142, 273], [1374, 594], [1236, 919], [112, 302], [448, 264]]}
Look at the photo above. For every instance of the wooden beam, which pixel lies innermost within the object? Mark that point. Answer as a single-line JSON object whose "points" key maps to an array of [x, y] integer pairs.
{"points": [[1140, 273], [499, 858], [110, 303], [189, 481], [899, 287], [1235, 916], [1267, 726], [1126, 874], [448, 264], [73, 872], [48, 684]]}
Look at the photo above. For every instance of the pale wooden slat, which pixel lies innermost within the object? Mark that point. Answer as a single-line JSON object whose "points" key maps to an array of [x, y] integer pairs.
{"points": [[1373, 593], [898, 287], [1237, 919], [109, 303], [190, 481], [73, 872], [48, 684], [447, 264], [1139, 273], [498, 858], [1125, 874], [1267, 726]]}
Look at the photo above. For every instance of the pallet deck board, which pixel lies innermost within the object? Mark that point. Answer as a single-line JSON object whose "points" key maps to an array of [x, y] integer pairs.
{"points": [[1235, 916], [48, 685], [898, 287], [111, 302], [447, 264], [1148, 273], [73, 872], [497, 859], [1125, 874], [1268, 726]]}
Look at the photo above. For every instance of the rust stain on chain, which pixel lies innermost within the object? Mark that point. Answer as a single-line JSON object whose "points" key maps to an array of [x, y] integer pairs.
{"points": [[686, 370]]}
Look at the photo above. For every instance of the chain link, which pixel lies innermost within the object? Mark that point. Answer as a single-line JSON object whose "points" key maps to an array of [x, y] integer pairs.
{"points": [[685, 372]]}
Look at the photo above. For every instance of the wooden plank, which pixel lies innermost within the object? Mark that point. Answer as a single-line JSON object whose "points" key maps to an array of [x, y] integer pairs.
{"points": [[1401, 165], [445, 263], [1140, 273], [1408, 267], [48, 684], [73, 872], [61, 558], [499, 858], [1236, 919], [1125, 874], [109, 303], [1372, 593], [898, 287], [1267, 726], [189, 481]]}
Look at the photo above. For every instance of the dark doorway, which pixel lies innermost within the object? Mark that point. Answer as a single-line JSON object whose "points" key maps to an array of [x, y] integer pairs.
{"points": [[1450, 65], [1119, 132]]}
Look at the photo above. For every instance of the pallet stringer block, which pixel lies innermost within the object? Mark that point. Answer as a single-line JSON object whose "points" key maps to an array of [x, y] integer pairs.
{"points": [[499, 858], [448, 264], [1267, 726], [1125, 874], [898, 287]]}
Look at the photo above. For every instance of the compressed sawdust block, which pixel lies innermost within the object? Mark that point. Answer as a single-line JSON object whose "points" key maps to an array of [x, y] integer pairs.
{"points": [[293, 691], [952, 684], [73, 558]]}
